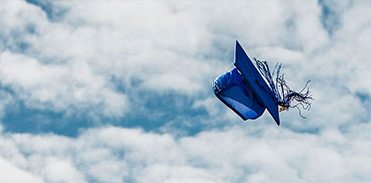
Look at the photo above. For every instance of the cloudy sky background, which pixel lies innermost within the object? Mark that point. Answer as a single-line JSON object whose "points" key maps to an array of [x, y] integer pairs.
{"points": [[120, 91]]}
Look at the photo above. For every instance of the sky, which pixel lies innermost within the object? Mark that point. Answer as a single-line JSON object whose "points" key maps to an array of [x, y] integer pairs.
{"points": [[120, 91]]}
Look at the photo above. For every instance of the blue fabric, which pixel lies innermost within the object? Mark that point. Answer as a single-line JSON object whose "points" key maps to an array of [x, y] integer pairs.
{"points": [[244, 90], [234, 91], [259, 87]]}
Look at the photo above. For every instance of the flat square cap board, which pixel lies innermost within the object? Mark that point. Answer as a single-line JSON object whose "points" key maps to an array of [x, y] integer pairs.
{"points": [[259, 86]]}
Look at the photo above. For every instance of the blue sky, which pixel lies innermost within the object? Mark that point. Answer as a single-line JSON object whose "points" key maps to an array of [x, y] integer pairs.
{"points": [[120, 91]]}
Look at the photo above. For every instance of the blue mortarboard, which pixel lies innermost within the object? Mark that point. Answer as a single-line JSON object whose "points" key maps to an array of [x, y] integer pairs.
{"points": [[244, 90]]}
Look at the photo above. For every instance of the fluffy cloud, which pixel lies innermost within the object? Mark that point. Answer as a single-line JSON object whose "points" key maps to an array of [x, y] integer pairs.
{"points": [[113, 154], [154, 61], [59, 88], [102, 54], [11, 173]]}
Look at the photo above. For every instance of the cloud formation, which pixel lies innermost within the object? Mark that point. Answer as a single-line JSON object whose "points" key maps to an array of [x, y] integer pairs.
{"points": [[147, 66], [114, 154]]}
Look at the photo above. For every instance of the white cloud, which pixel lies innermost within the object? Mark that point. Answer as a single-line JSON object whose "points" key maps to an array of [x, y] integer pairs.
{"points": [[12, 174], [56, 170], [60, 88], [239, 154], [78, 63], [78, 60]]}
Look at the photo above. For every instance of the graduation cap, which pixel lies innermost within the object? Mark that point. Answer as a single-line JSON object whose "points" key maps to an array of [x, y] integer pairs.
{"points": [[244, 90]]}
